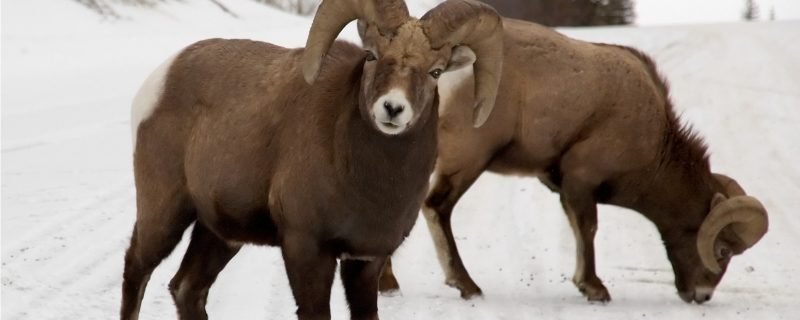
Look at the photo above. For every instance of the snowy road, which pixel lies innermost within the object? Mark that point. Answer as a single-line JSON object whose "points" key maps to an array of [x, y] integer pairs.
{"points": [[68, 209]]}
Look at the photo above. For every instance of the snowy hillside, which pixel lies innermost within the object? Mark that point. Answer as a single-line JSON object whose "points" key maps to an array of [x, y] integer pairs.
{"points": [[68, 78]]}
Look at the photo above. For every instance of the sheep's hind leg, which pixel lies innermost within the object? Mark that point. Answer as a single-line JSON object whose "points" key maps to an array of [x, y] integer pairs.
{"points": [[387, 285], [206, 256], [438, 210], [581, 210], [157, 231], [360, 279], [311, 270]]}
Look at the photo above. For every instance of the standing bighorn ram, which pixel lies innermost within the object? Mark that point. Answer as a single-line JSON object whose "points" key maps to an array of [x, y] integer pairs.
{"points": [[594, 123], [230, 136]]}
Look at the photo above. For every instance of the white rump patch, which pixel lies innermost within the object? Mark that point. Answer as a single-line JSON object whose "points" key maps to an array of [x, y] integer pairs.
{"points": [[148, 95]]}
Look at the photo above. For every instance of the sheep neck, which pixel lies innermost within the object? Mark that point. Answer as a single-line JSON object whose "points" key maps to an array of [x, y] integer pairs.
{"points": [[386, 171], [675, 199]]}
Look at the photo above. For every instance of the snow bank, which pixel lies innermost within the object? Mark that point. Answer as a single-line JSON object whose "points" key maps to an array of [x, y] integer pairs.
{"points": [[68, 77]]}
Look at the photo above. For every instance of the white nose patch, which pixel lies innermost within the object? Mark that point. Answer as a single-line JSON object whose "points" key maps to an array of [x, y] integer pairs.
{"points": [[392, 112]]}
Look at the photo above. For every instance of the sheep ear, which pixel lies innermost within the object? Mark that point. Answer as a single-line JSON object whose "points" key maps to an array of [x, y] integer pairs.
{"points": [[717, 199], [362, 29], [461, 57]]}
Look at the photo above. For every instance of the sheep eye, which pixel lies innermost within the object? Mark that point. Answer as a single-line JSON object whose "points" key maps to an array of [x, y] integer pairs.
{"points": [[436, 73], [724, 253], [370, 56]]}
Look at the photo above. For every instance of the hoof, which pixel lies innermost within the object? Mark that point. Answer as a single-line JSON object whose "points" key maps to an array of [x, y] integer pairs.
{"points": [[388, 284], [594, 293], [469, 290], [390, 293], [471, 295]]}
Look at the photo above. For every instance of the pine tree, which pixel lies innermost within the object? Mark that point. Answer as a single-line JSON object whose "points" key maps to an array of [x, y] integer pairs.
{"points": [[303, 7], [100, 7], [567, 12], [613, 12], [750, 10]]}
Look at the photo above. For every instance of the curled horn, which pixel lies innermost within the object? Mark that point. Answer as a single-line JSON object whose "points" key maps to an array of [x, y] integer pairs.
{"points": [[731, 187], [745, 215], [478, 26], [333, 15]]}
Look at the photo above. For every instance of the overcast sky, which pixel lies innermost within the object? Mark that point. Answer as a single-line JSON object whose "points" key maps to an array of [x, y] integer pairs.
{"points": [[654, 12]]}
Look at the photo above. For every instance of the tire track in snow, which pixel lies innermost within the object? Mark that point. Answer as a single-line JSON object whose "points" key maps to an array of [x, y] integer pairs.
{"points": [[60, 137], [66, 220], [71, 253], [88, 276], [73, 279]]}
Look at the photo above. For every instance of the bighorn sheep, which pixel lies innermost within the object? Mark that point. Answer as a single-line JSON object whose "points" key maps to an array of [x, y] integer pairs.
{"points": [[594, 122], [229, 135]]}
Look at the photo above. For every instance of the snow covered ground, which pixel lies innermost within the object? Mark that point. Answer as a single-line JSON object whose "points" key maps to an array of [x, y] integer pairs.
{"points": [[67, 195]]}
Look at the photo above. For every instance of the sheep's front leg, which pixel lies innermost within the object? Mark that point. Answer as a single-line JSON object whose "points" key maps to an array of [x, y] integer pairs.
{"points": [[438, 210], [360, 279], [311, 270], [581, 210]]}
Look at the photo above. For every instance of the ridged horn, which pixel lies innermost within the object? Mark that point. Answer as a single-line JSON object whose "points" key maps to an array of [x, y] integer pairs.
{"points": [[333, 15], [745, 215], [478, 26]]}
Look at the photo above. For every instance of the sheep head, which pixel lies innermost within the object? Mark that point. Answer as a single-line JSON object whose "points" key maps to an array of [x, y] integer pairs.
{"points": [[404, 56], [742, 217], [735, 222]]}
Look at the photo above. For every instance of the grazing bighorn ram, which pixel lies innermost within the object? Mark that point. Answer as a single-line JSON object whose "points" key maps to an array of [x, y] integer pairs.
{"points": [[595, 124], [229, 135]]}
